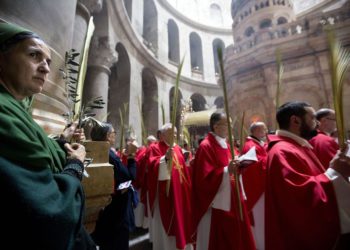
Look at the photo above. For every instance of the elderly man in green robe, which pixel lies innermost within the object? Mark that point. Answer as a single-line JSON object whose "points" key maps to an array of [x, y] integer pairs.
{"points": [[42, 197]]}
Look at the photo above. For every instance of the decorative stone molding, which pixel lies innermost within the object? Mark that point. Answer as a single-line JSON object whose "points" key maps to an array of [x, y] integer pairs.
{"points": [[94, 6], [102, 53]]}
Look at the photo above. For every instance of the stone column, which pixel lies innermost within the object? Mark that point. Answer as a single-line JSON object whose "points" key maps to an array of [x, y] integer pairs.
{"points": [[101, 58]]}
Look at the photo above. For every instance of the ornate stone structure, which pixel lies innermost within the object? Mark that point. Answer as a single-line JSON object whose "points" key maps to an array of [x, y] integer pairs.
{"points": [[263, 27]]}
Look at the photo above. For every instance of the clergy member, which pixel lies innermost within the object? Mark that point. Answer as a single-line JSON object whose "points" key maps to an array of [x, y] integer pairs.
{"points": [[171, 208], [307, 207], [254, 180], [217, 222], [325, 147]]}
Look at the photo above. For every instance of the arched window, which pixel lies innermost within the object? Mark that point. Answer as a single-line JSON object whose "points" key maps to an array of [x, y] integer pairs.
{"points": [[173, 42], [149, 104], [196, 52], [219, 102], [150, 25], [281, 20], [119, 87], [217, 43], [266, 23], [198, 102], [249, 31], [215, 14], [128, 7]]}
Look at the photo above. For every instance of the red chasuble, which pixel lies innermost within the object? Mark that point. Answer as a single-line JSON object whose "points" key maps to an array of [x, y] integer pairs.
{"points": [[175, 209], [226, 229], [140, 171], [325, 147], [301, 207], [254, 175], [141, 181]]}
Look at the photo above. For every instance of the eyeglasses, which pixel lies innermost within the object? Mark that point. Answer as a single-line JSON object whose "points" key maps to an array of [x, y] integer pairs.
{"points": [[331, 119]]}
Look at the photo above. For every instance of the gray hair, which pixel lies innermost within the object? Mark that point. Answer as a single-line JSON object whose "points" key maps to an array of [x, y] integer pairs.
{"points": [[256, 125], [11, 42], [323, 113], [166, 127], [99, 133]]}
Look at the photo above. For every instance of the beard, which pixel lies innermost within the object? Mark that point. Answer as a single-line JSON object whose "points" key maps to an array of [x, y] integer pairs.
{"points": [[306, 131]]}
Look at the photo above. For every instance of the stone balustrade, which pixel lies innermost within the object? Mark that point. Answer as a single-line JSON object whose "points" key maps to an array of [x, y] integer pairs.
{"points": [[314, 26]]}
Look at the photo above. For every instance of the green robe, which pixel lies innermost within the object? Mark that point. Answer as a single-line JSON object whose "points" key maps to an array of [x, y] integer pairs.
{"points": [[39, 210], [22, 140]]}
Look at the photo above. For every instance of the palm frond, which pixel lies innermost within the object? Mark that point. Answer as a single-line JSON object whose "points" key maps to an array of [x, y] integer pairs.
{"points": [[83, 63], [280, 70], [186, 135], [339, 64], [242, 135], [69, 74], [86, 111], [163, 112], [121, 127], [173, 119], [223, 79], [143, 128]]}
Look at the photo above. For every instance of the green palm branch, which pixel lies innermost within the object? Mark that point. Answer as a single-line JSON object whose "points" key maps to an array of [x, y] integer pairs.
{"points": [[173, 119], [339, 64], [143, 127], [280, 70], [242, 134], [221, 63]]}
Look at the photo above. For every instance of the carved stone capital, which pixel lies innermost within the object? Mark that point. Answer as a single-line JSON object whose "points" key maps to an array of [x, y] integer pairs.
{"points": [[94, 6], [101, 52]]}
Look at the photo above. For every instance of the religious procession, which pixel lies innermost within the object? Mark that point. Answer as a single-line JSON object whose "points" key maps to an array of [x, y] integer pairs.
{"points": [[175, 125]]}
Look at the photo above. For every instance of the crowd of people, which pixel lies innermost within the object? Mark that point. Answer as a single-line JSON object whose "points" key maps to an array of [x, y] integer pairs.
{"points": [[293, 193]]}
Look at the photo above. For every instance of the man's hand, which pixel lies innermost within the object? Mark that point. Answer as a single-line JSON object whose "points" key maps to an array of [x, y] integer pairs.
{"points": [[341, 164], [233, 166], [239, 166], [169, 154]]}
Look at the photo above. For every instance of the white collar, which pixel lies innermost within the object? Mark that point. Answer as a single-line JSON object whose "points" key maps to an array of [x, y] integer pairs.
{"points": [[301, 141], [220, 140]]}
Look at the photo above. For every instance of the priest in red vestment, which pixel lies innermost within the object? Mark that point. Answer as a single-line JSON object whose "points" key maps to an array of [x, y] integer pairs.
{"points": [[307, 207], [324, 145], [171, 211], [254, 180], [217, 223], [142, 217]]}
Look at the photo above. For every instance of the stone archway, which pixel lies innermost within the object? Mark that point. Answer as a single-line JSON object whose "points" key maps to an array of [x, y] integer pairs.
{"points": [[119, 88], [219, 102], [149, 101], [198, 102]]}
